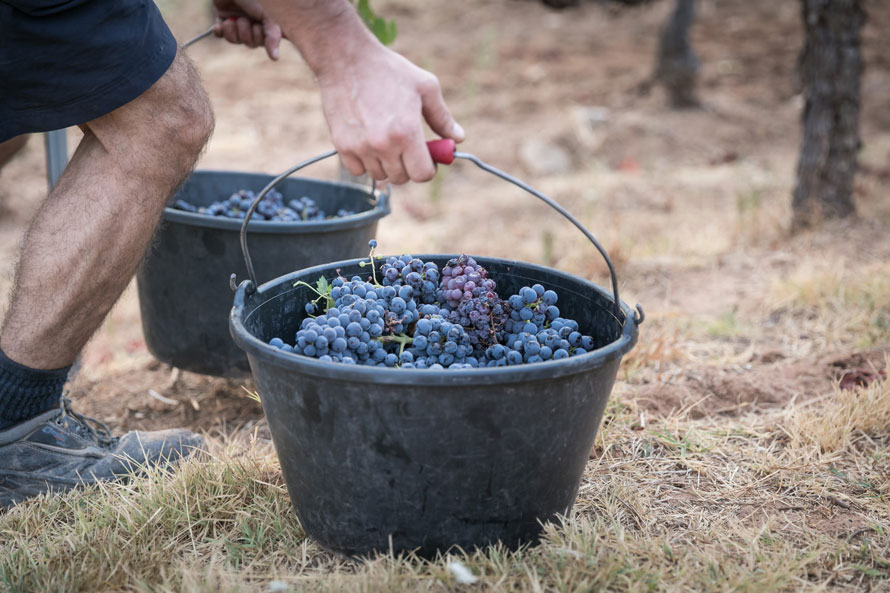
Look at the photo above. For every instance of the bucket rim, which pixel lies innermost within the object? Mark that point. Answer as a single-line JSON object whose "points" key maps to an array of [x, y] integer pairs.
{"points": [[380, 209], [550, 369]]}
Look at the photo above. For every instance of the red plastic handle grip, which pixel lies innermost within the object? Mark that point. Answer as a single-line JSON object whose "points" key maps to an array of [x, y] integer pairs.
{"points": [[442, 150]]}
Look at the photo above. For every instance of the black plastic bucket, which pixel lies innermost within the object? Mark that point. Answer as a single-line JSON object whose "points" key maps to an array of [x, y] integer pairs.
{"points": [[183, 284], [427, 459], [403, 459]]}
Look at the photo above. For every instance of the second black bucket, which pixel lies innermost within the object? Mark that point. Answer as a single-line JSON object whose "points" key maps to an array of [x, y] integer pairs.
{"points": [[183, 285]]}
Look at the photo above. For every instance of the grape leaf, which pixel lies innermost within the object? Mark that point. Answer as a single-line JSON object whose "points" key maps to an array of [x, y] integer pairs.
{"points": [[384, 30], [322, 286], [324, 290]]}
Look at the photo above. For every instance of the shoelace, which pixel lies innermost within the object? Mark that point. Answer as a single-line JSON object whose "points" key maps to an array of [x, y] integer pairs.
{"points": [[86, 425]]}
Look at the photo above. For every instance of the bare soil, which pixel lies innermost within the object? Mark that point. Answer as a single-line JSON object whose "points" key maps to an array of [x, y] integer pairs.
{"points": [[768, 380], [693, 205]]}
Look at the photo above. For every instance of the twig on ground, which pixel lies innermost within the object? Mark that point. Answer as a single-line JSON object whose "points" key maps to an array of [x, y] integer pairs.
{"points": [[162, 399]]}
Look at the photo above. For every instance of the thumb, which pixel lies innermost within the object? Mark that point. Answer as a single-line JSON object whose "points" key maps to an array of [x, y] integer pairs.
{"points": [[436, 114], [272, 32]]}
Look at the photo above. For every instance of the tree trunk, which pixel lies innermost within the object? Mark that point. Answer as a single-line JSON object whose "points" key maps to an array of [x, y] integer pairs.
{"points": [[677, 65], [830, 72]]}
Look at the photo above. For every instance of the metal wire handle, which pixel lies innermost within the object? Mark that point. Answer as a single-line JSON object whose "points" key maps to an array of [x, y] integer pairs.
{"points": [[442, 151], [271, 185], [198, 38], [639, 315]]}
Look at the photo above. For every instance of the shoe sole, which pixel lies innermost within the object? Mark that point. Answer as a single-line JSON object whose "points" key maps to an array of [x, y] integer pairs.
{"points": [[15, 489]]}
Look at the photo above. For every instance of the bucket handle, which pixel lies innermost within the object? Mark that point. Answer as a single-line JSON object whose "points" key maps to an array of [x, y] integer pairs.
{"points": [[381, 201], [442, 152]]}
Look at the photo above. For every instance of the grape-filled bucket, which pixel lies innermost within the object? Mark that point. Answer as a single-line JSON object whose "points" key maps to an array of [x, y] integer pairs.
{"points": [[379, 459], [183, 285]]}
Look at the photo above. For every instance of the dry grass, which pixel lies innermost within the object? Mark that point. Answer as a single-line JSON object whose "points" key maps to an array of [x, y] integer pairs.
{"points": [[847, 417], [840, 303], [794, 501]]}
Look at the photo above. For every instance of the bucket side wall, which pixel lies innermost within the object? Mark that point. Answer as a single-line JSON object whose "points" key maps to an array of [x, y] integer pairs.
{"points": [[430, 466], [183, 284], [184, 293]]}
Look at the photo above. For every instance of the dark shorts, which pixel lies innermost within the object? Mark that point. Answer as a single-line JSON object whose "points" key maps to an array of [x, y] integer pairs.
{"points": [[66, 62]]}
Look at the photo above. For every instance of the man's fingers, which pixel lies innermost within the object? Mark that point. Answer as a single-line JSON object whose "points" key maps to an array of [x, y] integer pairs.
{"points": [[244, 32], [394, 169], [230, 31], [352, 163], [418, 163], [259, 38], [374, 167], [272, 32], [436, 113]]}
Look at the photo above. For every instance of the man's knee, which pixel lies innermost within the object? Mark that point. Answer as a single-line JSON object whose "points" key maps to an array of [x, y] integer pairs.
{"points": [[189, 117], [167, 126]]}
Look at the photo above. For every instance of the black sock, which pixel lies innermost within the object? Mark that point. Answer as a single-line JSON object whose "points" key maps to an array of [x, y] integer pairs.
{"points": [[27, 392]]}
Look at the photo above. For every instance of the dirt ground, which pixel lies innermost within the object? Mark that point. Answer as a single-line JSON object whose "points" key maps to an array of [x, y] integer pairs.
{"points": [[692, 205]]}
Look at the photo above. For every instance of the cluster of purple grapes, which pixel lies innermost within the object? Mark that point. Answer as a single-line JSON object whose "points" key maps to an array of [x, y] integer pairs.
{"points": [[410, 271], [271, 207], [412, 319], [440, 344], [473, 300], [534, 331]]}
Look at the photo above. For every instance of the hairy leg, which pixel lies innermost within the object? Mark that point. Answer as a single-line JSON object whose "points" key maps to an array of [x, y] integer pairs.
{"points": [[92, 231]]}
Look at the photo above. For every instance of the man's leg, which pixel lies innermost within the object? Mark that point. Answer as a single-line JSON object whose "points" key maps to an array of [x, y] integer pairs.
{"points": [[91, 233], [9, 148], [78, 256]]}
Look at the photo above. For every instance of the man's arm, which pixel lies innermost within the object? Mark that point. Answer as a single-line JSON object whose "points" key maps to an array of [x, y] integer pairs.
{"points": [[375, 101]]}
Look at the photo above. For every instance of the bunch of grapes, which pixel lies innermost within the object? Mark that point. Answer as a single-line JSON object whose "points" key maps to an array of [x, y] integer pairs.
{"points": [[271, 207], [408, 320], [472, 296], [438, 344], [365, 325], [411, 271]]}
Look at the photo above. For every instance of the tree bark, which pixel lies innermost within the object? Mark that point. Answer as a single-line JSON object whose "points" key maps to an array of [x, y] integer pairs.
{"points": [[830, 71], [677, 65]]}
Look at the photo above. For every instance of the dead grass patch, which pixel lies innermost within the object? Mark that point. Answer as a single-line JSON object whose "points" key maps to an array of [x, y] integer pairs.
{"points": [[843, 418], [839, 304], [667, 504]]}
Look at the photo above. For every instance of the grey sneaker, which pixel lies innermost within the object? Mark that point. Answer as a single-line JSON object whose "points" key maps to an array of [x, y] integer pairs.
{"points": [[60, 450]]}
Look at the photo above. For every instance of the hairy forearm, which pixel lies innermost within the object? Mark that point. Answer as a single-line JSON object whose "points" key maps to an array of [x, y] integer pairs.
{"points": [[326, 32], [376, 128]]}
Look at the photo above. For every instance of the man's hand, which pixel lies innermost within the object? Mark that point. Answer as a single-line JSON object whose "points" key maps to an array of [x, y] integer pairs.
{"points": [[245, 21], [375, 102]]}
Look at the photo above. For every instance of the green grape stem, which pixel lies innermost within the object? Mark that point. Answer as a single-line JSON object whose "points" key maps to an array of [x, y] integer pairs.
{"points": [[326, 296], [401, 339], [370, 262]]}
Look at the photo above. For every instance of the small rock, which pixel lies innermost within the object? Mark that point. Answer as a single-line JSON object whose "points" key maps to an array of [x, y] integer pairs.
{"points": [[591, 115], [462, 574], [540, 157], [590, 125]]}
